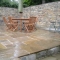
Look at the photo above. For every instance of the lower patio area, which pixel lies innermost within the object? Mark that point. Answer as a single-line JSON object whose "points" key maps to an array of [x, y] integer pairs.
{"points": [[15, 45]]}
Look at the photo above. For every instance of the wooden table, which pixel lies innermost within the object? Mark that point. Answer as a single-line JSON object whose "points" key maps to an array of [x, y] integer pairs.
{"points": [[21, 19]]}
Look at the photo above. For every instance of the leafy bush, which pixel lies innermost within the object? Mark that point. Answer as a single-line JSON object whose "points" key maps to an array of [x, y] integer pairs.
{"points": [[14, 6], [7, 4]]}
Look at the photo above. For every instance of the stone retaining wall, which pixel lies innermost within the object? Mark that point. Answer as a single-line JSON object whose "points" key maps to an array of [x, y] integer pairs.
{"points": [[42, 54], [45, 13]]}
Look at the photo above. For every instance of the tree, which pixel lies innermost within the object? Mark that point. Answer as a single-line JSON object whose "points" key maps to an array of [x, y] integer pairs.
{"points": [[37, 2], [32, 2]]}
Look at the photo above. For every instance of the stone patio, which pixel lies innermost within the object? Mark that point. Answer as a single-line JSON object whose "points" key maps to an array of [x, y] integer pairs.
{"points": [[25, 46]]}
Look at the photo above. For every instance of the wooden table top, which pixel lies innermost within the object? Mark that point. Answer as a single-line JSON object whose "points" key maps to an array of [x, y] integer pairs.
{"points": [[20, 18]]}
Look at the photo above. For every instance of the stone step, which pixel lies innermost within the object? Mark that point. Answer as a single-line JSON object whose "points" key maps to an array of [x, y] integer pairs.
{"points": [[49, 58], [29, 57], [57, 56]]}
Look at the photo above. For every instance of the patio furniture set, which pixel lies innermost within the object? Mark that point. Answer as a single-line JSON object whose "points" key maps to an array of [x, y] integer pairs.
{"points": [[14, 23]]}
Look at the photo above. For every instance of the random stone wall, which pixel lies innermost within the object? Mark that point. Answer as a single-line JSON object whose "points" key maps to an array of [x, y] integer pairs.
{"points": [[45, 13], [4, 11]]}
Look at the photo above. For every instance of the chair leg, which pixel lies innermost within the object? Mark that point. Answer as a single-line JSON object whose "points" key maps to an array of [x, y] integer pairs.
{"points": [[15, 28], [8, 27], [26, 28], [29, 28]]}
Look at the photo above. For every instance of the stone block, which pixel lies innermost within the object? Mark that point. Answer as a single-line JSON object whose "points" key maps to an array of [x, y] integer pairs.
{"points": [[29, 57], [40, 54], [15, 59], [53, 51]]}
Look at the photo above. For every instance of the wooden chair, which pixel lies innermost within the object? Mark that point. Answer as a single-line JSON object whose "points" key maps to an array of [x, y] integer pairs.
{"points": [[30, 26], [14, 23], [34, 20], [8, 24]]}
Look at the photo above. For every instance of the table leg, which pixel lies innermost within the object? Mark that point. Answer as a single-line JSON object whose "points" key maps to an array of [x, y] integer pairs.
{"points": [[20, 25]]}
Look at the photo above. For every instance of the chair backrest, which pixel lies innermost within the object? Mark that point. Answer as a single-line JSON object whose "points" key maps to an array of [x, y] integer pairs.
{"points": [[5, 20], [32, 19], [12, 21]]}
